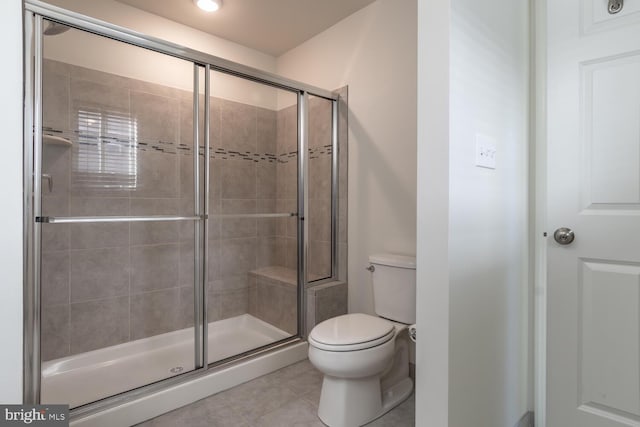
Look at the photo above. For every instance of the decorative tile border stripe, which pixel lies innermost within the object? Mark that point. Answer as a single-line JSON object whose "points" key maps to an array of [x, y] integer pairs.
{"points": [[166, 147]]}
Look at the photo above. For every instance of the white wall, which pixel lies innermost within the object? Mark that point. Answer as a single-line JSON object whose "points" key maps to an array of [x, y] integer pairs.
{"points": [[488, 256], [11, 212], [374, 52], [153, 25]]}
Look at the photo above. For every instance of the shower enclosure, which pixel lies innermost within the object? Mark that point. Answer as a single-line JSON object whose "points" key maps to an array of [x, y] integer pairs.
{"points": [[178, 205]]}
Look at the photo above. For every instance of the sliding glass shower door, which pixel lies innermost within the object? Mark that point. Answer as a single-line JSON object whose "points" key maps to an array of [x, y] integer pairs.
{"points": [[119, 217], [177, 207], [252, 265], [166, 201]]}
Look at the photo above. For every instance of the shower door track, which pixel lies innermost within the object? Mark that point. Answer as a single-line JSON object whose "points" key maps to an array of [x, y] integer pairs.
{"points": [[35, 12]]}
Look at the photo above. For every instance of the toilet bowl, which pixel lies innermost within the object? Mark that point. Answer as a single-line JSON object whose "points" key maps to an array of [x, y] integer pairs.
{"points": [[364, 358], [365, 367]]}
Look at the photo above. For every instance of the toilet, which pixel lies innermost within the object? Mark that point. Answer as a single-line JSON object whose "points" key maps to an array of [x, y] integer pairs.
{"points": [[364, 358]]}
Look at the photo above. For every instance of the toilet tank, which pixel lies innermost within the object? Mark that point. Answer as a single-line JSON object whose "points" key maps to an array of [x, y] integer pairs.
{"points": [[394, 287]]}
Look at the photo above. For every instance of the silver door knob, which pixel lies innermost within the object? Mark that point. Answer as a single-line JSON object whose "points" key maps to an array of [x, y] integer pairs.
{"points": [[564, 236]]}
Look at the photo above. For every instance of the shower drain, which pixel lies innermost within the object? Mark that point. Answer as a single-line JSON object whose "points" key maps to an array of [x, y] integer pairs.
{"points": [[176, 370]]}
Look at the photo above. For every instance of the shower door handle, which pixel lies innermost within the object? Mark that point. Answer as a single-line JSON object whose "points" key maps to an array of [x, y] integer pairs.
{"points": [[49, 179]]}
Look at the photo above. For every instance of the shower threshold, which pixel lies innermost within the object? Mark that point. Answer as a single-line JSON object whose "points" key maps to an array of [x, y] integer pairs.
{"points": [[87, 377]]}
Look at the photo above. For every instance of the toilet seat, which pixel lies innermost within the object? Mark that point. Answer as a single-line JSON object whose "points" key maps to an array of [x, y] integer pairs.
{"points": [[351, 332]]}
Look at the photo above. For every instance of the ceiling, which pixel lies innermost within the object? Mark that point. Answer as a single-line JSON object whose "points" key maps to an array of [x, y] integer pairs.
{"points": [[270, 26]]}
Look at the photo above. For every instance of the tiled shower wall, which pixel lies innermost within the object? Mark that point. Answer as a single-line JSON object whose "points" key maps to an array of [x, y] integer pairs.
{"points": [[106, 284]]}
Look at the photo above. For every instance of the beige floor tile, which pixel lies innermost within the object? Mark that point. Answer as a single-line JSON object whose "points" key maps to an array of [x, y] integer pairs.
{"points": [[286, 398], [297, 413]]}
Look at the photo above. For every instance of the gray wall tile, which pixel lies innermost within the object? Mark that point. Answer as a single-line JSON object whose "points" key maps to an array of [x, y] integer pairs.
{"points": [[320, 178], [186, 119], [276, 303], [55, 237], [320, 219], [55, 205], [233, 303], [215, 107], [55, 98], [331, 301], [238, 227], [267, 131], [154, 267], [320, 258], [186, 264], [238, 179], [186, 308], [55, 278], [232, 283], [326, 301], [266, 252], [238, 126], [99, 206], [287, 179], [154, 232], [157, 175], [287, 129], [95, 96], [99, 273], [56, 162], [99, 235], [156, 117], [154, 313], [214, 261], [319, 122], [55, 331], [161, 90], [237, 256], [266, 180], [213, 307], [99, 324], [186, 178]]}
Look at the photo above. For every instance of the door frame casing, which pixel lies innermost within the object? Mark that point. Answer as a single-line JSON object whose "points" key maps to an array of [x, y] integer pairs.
{"points": [[538, 189]]}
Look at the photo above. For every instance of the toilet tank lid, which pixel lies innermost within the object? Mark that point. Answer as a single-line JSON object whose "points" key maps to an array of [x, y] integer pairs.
{"points": [[393, 260]]}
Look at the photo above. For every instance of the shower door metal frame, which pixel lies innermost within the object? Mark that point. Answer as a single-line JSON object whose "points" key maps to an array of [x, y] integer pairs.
{"points": [[35, 12]]}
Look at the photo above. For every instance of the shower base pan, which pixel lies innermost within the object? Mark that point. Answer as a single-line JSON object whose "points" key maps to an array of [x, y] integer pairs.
{"points": [[84, 378]]}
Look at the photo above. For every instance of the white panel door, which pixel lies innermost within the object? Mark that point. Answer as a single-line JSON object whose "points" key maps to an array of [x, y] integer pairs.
{"points": [[593, 117]]}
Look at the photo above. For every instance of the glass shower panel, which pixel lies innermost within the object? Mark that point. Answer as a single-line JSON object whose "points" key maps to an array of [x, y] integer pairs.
{"points": [[117, 282], [320, 189], [252, 288]]}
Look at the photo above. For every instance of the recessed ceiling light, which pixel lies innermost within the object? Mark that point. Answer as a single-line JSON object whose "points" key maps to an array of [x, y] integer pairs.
{"points": [[208, 5]]}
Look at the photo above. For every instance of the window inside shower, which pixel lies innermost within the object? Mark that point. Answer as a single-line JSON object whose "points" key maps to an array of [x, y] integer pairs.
{"points": [[176, 224]]}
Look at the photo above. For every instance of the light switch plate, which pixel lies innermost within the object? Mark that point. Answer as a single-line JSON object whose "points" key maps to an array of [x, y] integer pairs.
{"points": [[485, 152]]}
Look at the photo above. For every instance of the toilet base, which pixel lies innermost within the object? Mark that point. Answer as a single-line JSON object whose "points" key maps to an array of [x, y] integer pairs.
{"points": [[395, 396], [349, 402]]}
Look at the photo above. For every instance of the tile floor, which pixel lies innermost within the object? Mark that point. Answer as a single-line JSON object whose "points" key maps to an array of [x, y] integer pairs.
{"points": [[288, 397]]}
